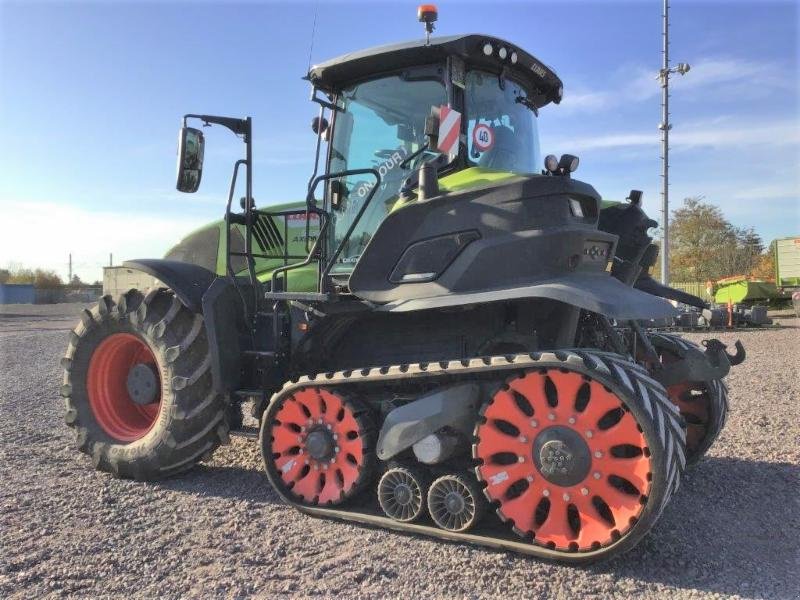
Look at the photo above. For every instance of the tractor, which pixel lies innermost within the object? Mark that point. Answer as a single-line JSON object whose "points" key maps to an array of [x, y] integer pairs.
{"points": [[444, 339]]}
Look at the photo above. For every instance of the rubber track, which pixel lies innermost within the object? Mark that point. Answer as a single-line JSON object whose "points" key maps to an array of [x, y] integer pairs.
{"points": [[195, 423], [716, 388], [611, 369]]}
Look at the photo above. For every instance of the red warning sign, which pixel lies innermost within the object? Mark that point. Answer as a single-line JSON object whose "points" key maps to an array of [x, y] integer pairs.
{"points": [[449, 130], [482, 137]]}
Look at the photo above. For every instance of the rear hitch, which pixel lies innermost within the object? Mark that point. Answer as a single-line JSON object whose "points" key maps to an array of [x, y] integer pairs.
{"points": [[694, 365], [715, 346]]}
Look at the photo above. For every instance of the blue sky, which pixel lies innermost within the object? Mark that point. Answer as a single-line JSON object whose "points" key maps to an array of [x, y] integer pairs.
{"points": [[91, 95]]}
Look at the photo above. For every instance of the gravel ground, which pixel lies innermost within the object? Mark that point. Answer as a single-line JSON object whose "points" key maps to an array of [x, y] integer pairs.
{"points": [[66, 530]]}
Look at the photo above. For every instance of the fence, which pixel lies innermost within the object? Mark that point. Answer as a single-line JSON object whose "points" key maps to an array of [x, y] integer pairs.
{"points": [[57, 295], [696, 288], [17, 293]]}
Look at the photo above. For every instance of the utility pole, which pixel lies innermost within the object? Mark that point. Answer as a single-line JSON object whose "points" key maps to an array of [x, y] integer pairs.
{"points": [[110, 259], [665, 126], [70, 269]]}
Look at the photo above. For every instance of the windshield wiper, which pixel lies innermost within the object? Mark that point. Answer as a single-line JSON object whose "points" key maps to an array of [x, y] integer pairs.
{"points": [[527, 103]]}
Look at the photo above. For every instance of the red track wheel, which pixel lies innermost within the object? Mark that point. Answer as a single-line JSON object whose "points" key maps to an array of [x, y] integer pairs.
{"points": [[124, 387], [317, 446], [565, 459]]}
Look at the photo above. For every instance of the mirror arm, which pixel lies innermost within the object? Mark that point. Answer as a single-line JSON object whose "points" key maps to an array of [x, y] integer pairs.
{"points": [[321, 101], [237, 126]]}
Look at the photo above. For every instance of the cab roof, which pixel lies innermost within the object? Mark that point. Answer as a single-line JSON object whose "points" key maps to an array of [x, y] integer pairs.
{"points": [[345, 70]]}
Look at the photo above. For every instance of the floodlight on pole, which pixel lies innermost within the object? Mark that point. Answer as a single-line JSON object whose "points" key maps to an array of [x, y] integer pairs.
{"points": [[665, 126]]}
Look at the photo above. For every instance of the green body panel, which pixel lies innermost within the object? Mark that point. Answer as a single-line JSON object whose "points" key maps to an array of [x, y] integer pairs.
{"points": [[471, 177], [300, 280], [741, 290], [787, 262]]}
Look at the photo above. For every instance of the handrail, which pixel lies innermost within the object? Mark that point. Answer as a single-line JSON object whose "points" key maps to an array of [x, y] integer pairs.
{"points": [[228, 262], [370, 195]]}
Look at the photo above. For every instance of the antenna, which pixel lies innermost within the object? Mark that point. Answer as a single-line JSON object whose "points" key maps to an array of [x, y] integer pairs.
{"points": [[313, 33]]}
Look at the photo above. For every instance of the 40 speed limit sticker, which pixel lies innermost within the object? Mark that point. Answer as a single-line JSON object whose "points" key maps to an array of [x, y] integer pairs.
{"points": [[482, 137]]}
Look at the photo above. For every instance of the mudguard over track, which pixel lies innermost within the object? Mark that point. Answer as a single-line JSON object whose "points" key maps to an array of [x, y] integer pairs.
{"points": [[613, 371], [595, 292]]}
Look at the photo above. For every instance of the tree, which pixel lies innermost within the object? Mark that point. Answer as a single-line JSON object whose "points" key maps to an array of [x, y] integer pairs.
{"points": [[706, 247], [47, 279], [765, 265], [40, 278], [4, 275]]}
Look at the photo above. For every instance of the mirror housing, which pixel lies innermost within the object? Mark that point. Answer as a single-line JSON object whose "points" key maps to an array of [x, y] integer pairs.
{"points": [[191, 146], [432, 128], [337, 192], [319, 125]]}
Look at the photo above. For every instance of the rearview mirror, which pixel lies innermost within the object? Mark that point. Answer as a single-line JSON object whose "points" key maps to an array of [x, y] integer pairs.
{"points": [[190, 159]]}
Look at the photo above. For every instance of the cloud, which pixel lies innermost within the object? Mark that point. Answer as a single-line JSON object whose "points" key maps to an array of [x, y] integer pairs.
{"points": [[709, 78], [719, 132], [45, 233]]}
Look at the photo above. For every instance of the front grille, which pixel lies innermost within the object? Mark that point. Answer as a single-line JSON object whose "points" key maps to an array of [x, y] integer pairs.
{"points": [[267, 235]]}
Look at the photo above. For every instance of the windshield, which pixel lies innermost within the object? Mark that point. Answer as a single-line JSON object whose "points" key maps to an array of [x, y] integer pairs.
{"points": [[501, 131], [380, 123]]}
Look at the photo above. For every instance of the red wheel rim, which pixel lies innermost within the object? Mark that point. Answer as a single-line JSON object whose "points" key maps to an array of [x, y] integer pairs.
{"points": [[588, 513], [309, 474], [112, 361]]}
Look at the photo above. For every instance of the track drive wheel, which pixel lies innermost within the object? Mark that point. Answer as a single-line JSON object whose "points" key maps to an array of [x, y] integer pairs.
{"points": [[137, 386], [582, 454], [456, 502], [702, 404], [401, 494], [317, 446]]}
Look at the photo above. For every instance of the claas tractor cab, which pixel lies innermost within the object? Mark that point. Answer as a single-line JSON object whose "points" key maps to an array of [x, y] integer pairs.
{"points": [[448, 323]]}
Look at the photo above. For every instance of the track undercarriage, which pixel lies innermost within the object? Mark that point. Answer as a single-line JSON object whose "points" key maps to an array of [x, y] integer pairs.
{"points": [[574, 453]]}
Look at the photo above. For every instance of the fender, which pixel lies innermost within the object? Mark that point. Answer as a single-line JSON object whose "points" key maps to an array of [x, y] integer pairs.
{"points": [[595, 292], [216, 299], [188, 281], [408, 424]]}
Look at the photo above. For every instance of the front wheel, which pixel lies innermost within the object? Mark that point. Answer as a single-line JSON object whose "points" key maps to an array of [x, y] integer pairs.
{"points": [[137, 387]]}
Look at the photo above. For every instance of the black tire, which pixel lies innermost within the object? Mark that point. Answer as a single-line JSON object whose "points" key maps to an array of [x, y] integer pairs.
{"points": [[710, 398], [191, 419], [656, 417]]}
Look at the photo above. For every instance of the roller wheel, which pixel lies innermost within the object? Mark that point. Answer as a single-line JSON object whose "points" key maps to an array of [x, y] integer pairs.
{"points": [[456, 502], [137, 386], [401, 494], [702, 404], [317, 446], [580, 455]]}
